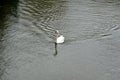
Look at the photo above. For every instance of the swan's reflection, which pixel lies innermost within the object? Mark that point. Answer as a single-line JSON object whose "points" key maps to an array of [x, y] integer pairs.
{"points": [[56, 52]]}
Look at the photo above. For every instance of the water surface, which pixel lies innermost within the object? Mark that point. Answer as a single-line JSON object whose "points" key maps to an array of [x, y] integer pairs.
{"points": [[92, 41]]}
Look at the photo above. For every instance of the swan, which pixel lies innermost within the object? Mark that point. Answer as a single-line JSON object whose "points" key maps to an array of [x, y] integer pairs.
{"points": [[59, 38]]}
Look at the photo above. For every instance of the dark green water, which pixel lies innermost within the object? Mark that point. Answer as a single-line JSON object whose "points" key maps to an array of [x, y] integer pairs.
{"points": [[92, 40]]}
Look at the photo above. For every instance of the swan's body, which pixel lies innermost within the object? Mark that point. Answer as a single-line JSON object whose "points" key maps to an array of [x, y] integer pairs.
{"points": [[59, 38]]}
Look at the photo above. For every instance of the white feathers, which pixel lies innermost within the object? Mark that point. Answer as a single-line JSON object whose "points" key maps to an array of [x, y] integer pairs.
{"points": [[60, 39]]}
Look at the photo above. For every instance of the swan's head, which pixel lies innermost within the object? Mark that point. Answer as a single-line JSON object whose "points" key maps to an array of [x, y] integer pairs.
{"points": [[56, 31]]}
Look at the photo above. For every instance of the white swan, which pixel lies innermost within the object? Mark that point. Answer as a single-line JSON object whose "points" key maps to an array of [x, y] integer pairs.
{"points": [[59, 38]]}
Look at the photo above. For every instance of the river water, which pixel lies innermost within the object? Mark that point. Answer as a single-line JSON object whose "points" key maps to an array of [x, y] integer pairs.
{"points": [[91, 50]]}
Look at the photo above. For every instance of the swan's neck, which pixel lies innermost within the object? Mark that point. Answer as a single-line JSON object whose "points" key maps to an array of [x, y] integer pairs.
{"points": [[57, 33]]}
